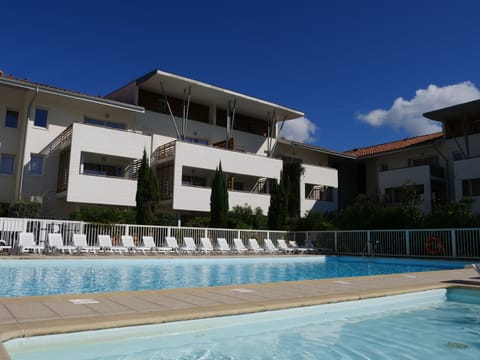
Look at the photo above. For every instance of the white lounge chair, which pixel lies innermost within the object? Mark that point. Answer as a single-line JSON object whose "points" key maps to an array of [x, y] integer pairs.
{"points": [[206, 246], [476, 267], [222, 246], [4, 246], [149, 242], [127, 242], [297, 248], [270, 247], [172, 243], [81, 246], [189, 246], [26, 243], [282, 246], [55, 243], [254, 247], [238, 246], [105, 244]]}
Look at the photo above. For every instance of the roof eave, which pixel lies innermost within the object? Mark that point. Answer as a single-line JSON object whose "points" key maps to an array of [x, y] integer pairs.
{"points": [[214, 88], [71, 95]]}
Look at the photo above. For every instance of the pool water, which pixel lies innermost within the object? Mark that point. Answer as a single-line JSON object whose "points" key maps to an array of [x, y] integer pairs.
{"points": [[81, 276], [435, 324]]}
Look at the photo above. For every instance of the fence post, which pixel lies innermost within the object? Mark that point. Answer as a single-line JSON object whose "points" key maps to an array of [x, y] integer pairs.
{"points": [[335, 246], [168, 231], [407, 242], [127, 230], [369, 244], [206, 232], [454, 243]]}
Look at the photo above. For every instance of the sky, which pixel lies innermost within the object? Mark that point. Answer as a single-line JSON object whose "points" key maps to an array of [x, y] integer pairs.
{"points": [[363, 72]]}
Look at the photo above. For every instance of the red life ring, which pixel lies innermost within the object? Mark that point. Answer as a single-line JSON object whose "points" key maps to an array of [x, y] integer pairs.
{"points": [[433, 245]]}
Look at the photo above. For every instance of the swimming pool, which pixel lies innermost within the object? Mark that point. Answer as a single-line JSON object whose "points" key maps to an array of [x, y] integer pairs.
{"points": [[436, 324], [76, 276]]}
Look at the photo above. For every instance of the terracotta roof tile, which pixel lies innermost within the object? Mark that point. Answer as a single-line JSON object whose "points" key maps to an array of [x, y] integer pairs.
{"points": [[394, 145]]}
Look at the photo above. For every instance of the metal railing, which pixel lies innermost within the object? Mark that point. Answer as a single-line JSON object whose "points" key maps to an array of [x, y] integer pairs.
{"points": [[443, 243]]}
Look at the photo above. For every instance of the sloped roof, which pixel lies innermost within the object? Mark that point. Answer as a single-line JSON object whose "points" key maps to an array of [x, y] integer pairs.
{"points": [[10, 80], [394, 145]]}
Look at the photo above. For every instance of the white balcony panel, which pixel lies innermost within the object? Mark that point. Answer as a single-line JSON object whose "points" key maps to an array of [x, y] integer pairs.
{"points": [[318, 175], [418, 175], [102, 190], [206, 157], [96, 189], [190, 198]]}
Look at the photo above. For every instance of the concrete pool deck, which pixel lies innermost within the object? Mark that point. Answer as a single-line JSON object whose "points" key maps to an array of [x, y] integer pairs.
{"points": [[45, 315]]}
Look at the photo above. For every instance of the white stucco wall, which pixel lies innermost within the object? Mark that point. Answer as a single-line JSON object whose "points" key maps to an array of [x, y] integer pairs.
{"points": [[418, 175], [205, 157], [318, 175], [463, 170], [98, 189]]}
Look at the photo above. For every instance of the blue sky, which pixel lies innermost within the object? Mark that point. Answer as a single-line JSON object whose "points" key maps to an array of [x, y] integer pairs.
{"points": [[362, 71]]}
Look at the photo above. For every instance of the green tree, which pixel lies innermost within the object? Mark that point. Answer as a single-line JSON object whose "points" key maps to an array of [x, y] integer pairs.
{"points": [[219, 200], [292, 170], [147, 193], [278, 209]]}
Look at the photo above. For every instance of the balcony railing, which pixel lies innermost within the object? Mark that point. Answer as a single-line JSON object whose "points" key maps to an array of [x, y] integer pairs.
{"points": [[59, 142], [164, 151]]}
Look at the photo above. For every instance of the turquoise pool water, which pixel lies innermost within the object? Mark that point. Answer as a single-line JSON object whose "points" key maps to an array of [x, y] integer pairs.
{"points": [[75, 276], [436, 324]]}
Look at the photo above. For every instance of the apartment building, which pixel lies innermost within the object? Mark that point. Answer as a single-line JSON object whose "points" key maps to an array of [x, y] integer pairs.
{"points": [[69, 150], [440, 167]]}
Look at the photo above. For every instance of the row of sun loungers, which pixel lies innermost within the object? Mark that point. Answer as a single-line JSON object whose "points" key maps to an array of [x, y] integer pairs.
{"points": [[55, 244]]}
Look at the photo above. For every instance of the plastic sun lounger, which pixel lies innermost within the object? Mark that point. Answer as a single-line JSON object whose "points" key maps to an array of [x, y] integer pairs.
{"points": [[149, 242], [189, 245], [222, 246], [282, 246], [172, 243], [254, 247], [105, 244], [238, 246], [476, 267], [81, 246], [4, 246], [270, 247], [55, 243], [127, 242], [298, 249], [206, 246], [26, 243]]}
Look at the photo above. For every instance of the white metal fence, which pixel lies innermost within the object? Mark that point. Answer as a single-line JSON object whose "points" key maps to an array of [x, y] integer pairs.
{"points": [[446, 243]]}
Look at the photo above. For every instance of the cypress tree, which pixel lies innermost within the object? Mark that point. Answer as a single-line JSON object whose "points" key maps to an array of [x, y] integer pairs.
{"points": [[219, 199], [147, 193], [278, 210]]}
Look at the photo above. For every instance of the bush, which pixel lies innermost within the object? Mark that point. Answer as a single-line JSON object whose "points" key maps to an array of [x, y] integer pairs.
{"points": [[105, 215], [456, 214], [24, 209]]}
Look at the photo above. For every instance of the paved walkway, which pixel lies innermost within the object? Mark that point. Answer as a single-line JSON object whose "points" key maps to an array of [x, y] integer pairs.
{"points": [[42, 315]]}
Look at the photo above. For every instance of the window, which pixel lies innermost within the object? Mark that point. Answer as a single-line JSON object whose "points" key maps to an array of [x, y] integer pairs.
{"points": [[196, 140], [400, 194], [6, 164], [458, 155], [102, 170], [432, 160], [36, 165], [471, 187], [11, 119], [103, 123], [41, 117]]}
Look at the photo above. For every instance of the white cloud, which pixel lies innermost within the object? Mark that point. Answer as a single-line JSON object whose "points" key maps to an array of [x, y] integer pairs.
{"points": [[407, 114], [300, 129]]}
